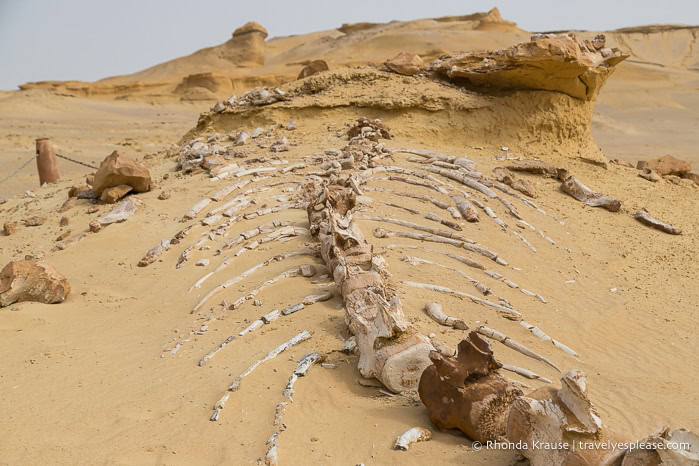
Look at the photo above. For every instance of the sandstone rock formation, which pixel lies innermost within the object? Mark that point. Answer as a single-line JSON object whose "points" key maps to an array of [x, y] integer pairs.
{"points": [[316, 66], [405, 63], [29, 281], [669, 165], [467, 392], [247, 47], [117, 169], [553, 62]]}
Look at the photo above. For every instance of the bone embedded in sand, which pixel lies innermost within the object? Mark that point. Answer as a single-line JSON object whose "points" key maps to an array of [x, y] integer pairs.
{"points": [[418, 261], [196, 208], [510, 343], [184, 257], [211, 353], [436, 218], [582, 193], [540, 334], [434, 311], [643, 217], [126, 209], [414, 435], [304, 365], [153, 255], [466, 209]]}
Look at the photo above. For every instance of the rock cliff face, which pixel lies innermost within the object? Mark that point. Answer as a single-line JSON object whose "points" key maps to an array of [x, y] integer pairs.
{"points": [[552, 62]]}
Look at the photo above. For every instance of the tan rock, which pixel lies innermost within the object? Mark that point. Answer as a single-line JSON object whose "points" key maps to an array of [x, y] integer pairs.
{"points": [[673, 179], [63, 236], [163, 196], [669, 165], [95, 226], [623, 163], [316, 66], [68, 204], [111, 195], [693, 176], [74, 190], [117, 170], [30, 281], [650, 175], [553, 62], [34, 221], [405, 63], [10, 228], [64, 221], [250, 27]]}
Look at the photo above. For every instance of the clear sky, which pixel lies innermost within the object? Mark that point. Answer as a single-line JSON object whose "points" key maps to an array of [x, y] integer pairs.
{"points": [[92, 39]]}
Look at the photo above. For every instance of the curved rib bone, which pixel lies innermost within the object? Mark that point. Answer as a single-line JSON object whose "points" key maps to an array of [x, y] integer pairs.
{"points": [[643, 217], [434, 311], [510, 343]]}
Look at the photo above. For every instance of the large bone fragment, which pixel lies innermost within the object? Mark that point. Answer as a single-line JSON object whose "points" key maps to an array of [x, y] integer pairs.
{"points": [[304, 365], [643, 217], [434, 311], [153, 255], [196, 208], [582, 193], [566, 418], [510, 343], [126, 209], [525, 373], [391, 349], [506, 312], [467, 210], [414, 435], [467, 392]]}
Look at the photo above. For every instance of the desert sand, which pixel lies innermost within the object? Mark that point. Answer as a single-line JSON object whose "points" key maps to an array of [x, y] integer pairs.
{"points": [[112, 374]]}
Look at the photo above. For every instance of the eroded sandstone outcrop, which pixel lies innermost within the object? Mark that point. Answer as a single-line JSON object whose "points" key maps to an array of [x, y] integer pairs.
{"points": [[117, 170], [552, 62], [30, 281]]}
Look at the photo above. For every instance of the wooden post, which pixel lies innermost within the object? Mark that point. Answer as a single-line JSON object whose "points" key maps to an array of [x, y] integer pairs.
{"points": [[46, 161]]}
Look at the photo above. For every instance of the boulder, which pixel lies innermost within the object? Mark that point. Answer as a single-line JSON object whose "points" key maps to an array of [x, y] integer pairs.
{"points": [[30, 281], [316, 66], [669, 165], [117, 169], [405, 63], [111, 195]]}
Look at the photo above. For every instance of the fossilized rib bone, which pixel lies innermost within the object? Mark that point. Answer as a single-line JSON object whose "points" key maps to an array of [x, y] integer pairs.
{"points": [[414, 435], [434, 311], [643, 217], [391, 349], [304, 365], [582, 193]]}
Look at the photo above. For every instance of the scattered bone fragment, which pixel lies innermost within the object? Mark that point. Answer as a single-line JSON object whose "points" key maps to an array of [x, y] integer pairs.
{"points": [[153, 255], [436, 218], [645, 218], [304, 365], [540, 334], [525, 373], [271, 316], [292, 309], [272, 456], [529, 245], [468, 392], [506, 312], [196, 208], [434, 311], [414, 435], [253, 326], [184, 257], [211, 353], [510, 343], [466, 208], [279, 412], [126, 209], [537, 167], [582, 193], [418, 261]]}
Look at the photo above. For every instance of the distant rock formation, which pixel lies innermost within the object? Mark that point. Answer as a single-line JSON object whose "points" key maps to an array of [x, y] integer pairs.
{"points": [[247, 47], [552, 62]]}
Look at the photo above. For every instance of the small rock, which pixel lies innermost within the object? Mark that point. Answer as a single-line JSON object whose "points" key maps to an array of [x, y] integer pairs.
{"points": [[650, 175], [202, 262], [163, 196], [673, 179], [35, 256], [30, 281], [34, 221], [641, 165], [316, 66], [63, 236], [95, 226], [113, 194], [219, 107], [257, 133], [504, 148], [327, 365], [599, 41], [92, 210], [257, 302], [242, 138], [87, 194], [29, 194], [291, 125], [307, 270], [405, 63], [64, 221], [68, 204], [623, 163], [10, 228], [2, 201]]}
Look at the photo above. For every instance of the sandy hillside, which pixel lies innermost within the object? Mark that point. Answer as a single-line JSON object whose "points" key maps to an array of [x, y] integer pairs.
{"points": [[112, 374]]}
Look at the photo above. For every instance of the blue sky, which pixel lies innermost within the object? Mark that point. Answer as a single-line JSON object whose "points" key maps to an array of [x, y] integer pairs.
{"points": [[89, 40]]}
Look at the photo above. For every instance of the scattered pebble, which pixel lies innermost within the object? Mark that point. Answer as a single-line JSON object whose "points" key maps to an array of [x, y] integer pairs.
{"points": [[202, 262]]}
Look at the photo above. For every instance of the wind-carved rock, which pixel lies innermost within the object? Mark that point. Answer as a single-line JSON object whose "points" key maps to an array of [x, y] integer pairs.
{"points": [[552, 62], [467, 392], [30, 281], [247, 47], [391, 349]]}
